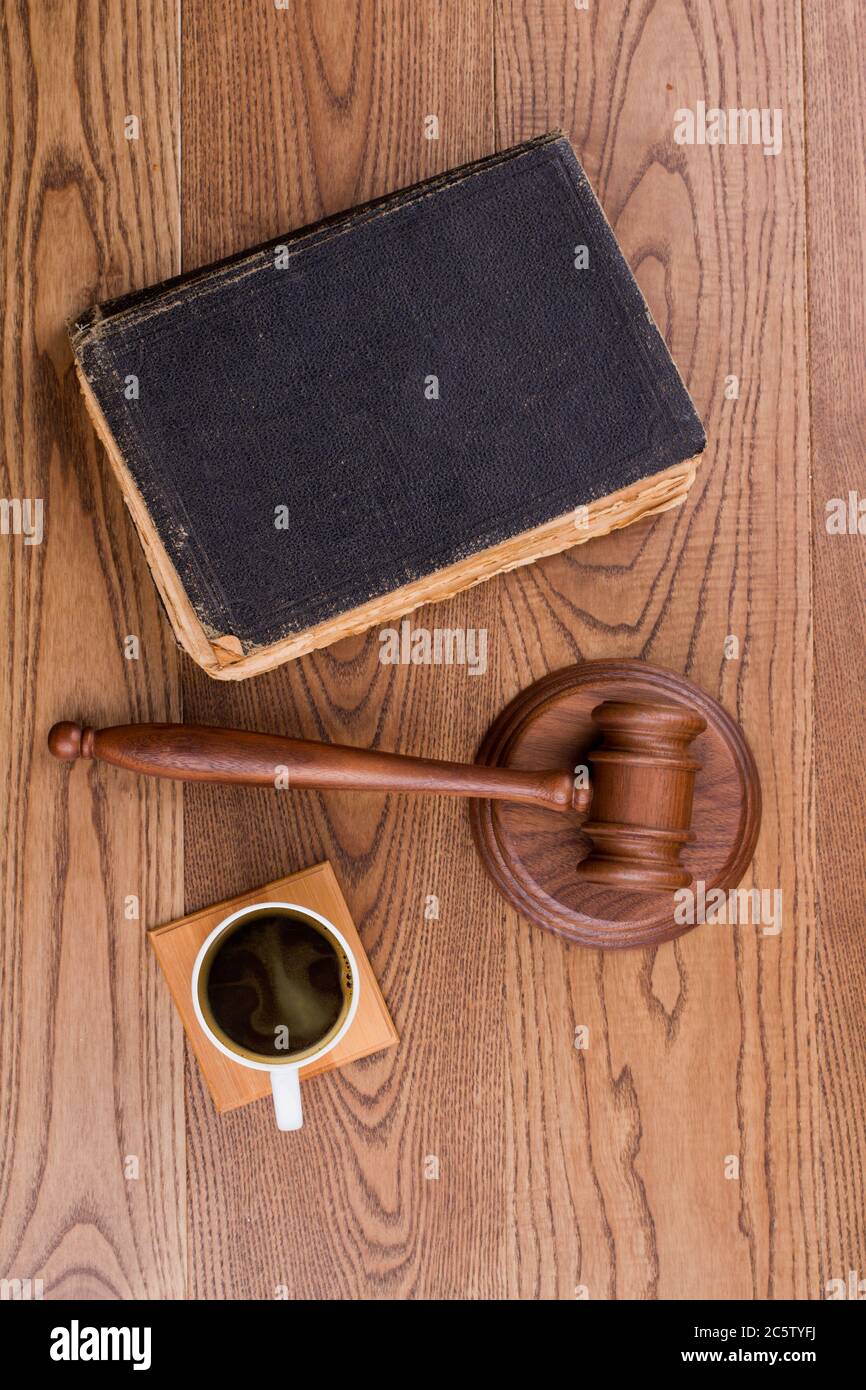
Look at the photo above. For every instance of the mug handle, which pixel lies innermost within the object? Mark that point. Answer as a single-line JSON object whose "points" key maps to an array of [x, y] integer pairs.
{"points": [[286, 1087]]}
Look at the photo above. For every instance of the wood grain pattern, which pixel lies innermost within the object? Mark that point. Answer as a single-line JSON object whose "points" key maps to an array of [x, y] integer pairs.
{"points": [[705, 1049], [327, 105], [598, 1168], [709, 1041], [91, 1054], [835, 39]]}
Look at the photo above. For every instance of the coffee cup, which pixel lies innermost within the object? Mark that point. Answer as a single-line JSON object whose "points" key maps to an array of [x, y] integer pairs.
{"points": [[274, 987]]}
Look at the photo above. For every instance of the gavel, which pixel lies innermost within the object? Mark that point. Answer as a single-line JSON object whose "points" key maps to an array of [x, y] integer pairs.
{"points": [[635, 807]]}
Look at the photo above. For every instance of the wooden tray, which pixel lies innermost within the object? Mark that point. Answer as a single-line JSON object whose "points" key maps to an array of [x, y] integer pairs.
{"points": [[177, 945]]}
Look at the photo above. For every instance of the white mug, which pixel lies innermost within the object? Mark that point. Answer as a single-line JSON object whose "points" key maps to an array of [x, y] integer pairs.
{"points": [[285, 1081]]}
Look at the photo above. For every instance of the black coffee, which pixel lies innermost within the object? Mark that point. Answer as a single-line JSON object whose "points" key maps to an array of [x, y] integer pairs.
{"points": [[275, 985]]}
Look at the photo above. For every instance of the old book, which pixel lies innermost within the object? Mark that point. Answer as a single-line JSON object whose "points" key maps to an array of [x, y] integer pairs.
{"points": [[321, 434]]}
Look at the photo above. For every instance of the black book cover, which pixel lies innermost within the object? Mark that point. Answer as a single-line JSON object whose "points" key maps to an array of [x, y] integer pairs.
{"points": [[343, 411]]}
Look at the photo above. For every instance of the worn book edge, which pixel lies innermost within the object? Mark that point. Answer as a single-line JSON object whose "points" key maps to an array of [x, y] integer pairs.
{"points": [[221, 654]]}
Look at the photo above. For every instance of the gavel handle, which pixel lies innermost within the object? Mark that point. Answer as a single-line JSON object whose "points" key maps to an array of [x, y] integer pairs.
{"points": [[196, 753]]}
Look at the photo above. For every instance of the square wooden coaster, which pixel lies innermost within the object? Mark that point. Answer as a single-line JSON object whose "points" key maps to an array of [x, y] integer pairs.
{"points": [[177, 945]]}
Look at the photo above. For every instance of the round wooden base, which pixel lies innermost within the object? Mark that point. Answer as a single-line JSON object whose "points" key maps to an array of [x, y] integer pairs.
{"points": [[531, 853]]}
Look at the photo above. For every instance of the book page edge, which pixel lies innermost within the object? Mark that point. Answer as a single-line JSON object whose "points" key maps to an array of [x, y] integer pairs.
{"points": [[223, 659], [659, 493], [184, 620]]}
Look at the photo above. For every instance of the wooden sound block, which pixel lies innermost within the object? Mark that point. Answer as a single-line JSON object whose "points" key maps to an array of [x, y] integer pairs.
{"points": [[177, 945], [532, 853]]}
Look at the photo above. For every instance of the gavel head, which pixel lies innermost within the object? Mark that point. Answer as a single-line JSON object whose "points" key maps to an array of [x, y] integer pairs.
{"points": [[642, 785]]}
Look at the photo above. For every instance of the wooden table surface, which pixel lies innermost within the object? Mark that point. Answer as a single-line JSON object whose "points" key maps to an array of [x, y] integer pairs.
{"points": [[709, 1142]]}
